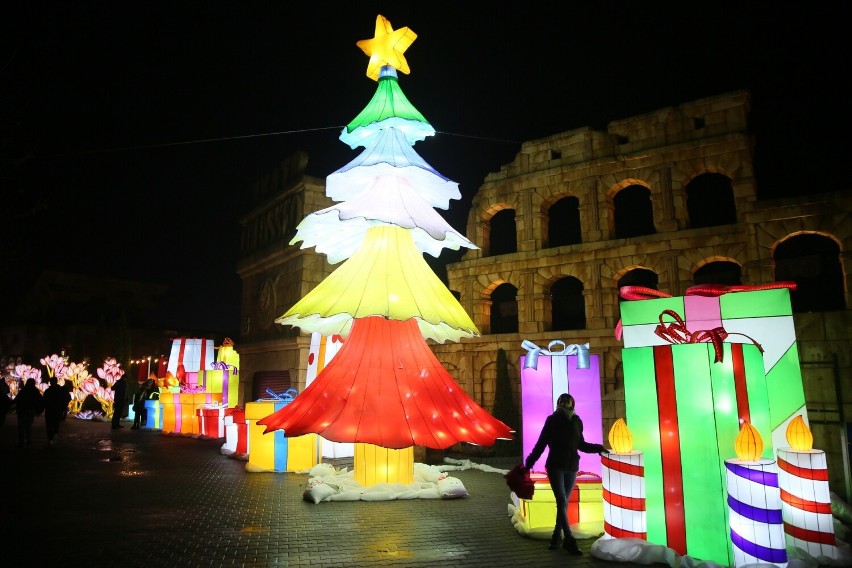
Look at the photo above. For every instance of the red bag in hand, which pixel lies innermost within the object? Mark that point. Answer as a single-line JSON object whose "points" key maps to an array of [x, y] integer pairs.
{"points": [[518, 480]]}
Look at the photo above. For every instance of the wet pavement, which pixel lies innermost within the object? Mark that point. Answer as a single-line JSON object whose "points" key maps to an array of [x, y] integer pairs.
{"points": [[141, 498]]}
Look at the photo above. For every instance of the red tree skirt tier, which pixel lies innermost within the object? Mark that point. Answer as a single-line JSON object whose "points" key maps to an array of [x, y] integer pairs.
{"points": [[385, 387]]}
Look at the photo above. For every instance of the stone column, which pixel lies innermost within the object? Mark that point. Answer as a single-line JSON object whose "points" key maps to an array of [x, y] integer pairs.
{"points": [[594, 293], [665, 216], [590, 203], [673, 271]]}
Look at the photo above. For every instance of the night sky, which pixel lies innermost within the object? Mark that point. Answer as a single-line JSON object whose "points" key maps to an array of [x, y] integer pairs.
{"points": [[132, 132]]}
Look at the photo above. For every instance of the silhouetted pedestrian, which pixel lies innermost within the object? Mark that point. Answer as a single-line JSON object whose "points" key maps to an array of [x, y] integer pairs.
{"points": [[28, 403], [562, 433], [119, 389], [5, 401], [56, 400], [141, 411]]}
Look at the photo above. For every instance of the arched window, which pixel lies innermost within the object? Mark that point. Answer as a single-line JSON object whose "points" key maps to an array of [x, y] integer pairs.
{"points": [[504, 309], [639, 277], [636, 277], [633, 212], [710, 201], [563, 223], [813, 262], [719, 272], [504, 238], [567, 304]]}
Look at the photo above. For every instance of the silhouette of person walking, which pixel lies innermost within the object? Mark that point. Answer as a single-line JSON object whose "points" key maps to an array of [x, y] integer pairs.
{"points": [[5, 401], [144, 393], [562, 433], [119, 401], [28, 403], [56, 400]]}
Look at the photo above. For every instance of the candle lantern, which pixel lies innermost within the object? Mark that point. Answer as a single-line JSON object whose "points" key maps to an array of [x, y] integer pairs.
{"points": [[754, 503], [623, 478], [805, 497]]}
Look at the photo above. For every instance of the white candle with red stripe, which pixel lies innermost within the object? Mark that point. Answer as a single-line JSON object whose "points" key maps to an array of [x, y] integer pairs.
{"points": [[805, 498], [623, 480]]}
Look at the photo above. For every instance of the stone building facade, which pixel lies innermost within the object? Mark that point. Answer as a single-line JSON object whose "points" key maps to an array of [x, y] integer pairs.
{"points": [[664, 200]]}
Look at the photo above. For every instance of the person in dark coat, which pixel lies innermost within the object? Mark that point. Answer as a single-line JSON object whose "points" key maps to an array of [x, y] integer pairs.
{"points": [[119, 387], [562, 433], [145, 391], [28, 403], [56, 399], [5, 401]]}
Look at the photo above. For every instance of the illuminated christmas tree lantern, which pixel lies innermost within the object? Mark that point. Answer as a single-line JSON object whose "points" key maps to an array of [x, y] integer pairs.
{"points": [[684, 403], [805, 495], [623, 486], [275, 451], [754, 503], [384, 300], [546, 374]]}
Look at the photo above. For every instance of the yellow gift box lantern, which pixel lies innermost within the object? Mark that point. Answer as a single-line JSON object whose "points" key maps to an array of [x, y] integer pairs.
{"points": [[274, 451]]}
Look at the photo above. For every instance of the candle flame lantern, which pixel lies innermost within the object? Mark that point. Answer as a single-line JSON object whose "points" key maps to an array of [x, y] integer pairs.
{"points": [[620, 438], [799, 435], [749, 444]]}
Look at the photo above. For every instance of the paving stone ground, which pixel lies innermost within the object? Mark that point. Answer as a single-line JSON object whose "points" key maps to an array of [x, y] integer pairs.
{"points": [[131, 498]]}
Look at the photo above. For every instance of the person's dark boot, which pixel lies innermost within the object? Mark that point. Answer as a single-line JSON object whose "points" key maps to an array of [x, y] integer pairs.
{"points": [[555, 539], [570, 545]]}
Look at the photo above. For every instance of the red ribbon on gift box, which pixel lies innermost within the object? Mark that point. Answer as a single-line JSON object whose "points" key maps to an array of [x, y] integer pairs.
{"points": [[643, 293], [677, 332], [712, 290]]}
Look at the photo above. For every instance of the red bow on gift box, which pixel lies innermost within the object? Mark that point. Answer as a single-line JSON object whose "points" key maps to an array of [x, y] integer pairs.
{"points": [[711, 290], [676, 332]]}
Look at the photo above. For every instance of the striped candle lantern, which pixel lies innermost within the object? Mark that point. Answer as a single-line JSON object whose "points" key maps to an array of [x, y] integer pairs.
{"points": [[805, 498], [754, 503], [623, 477]]}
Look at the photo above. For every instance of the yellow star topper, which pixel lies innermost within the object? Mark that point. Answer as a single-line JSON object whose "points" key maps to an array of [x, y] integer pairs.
{"points": [[387, 47]]}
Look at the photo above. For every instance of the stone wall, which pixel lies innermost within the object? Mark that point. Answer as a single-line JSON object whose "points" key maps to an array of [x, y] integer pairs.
{"points": [[661, 151]]}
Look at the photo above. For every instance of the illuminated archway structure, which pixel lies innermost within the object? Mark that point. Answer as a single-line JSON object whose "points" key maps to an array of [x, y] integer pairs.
{"points": [[385, 388]]}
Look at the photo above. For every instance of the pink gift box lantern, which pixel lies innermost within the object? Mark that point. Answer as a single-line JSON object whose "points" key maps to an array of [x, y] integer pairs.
{"points": [[545, 374]]}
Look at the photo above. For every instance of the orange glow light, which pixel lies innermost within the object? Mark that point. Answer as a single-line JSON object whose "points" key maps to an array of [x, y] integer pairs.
{"points": [[748, 445], [799, 435]]}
